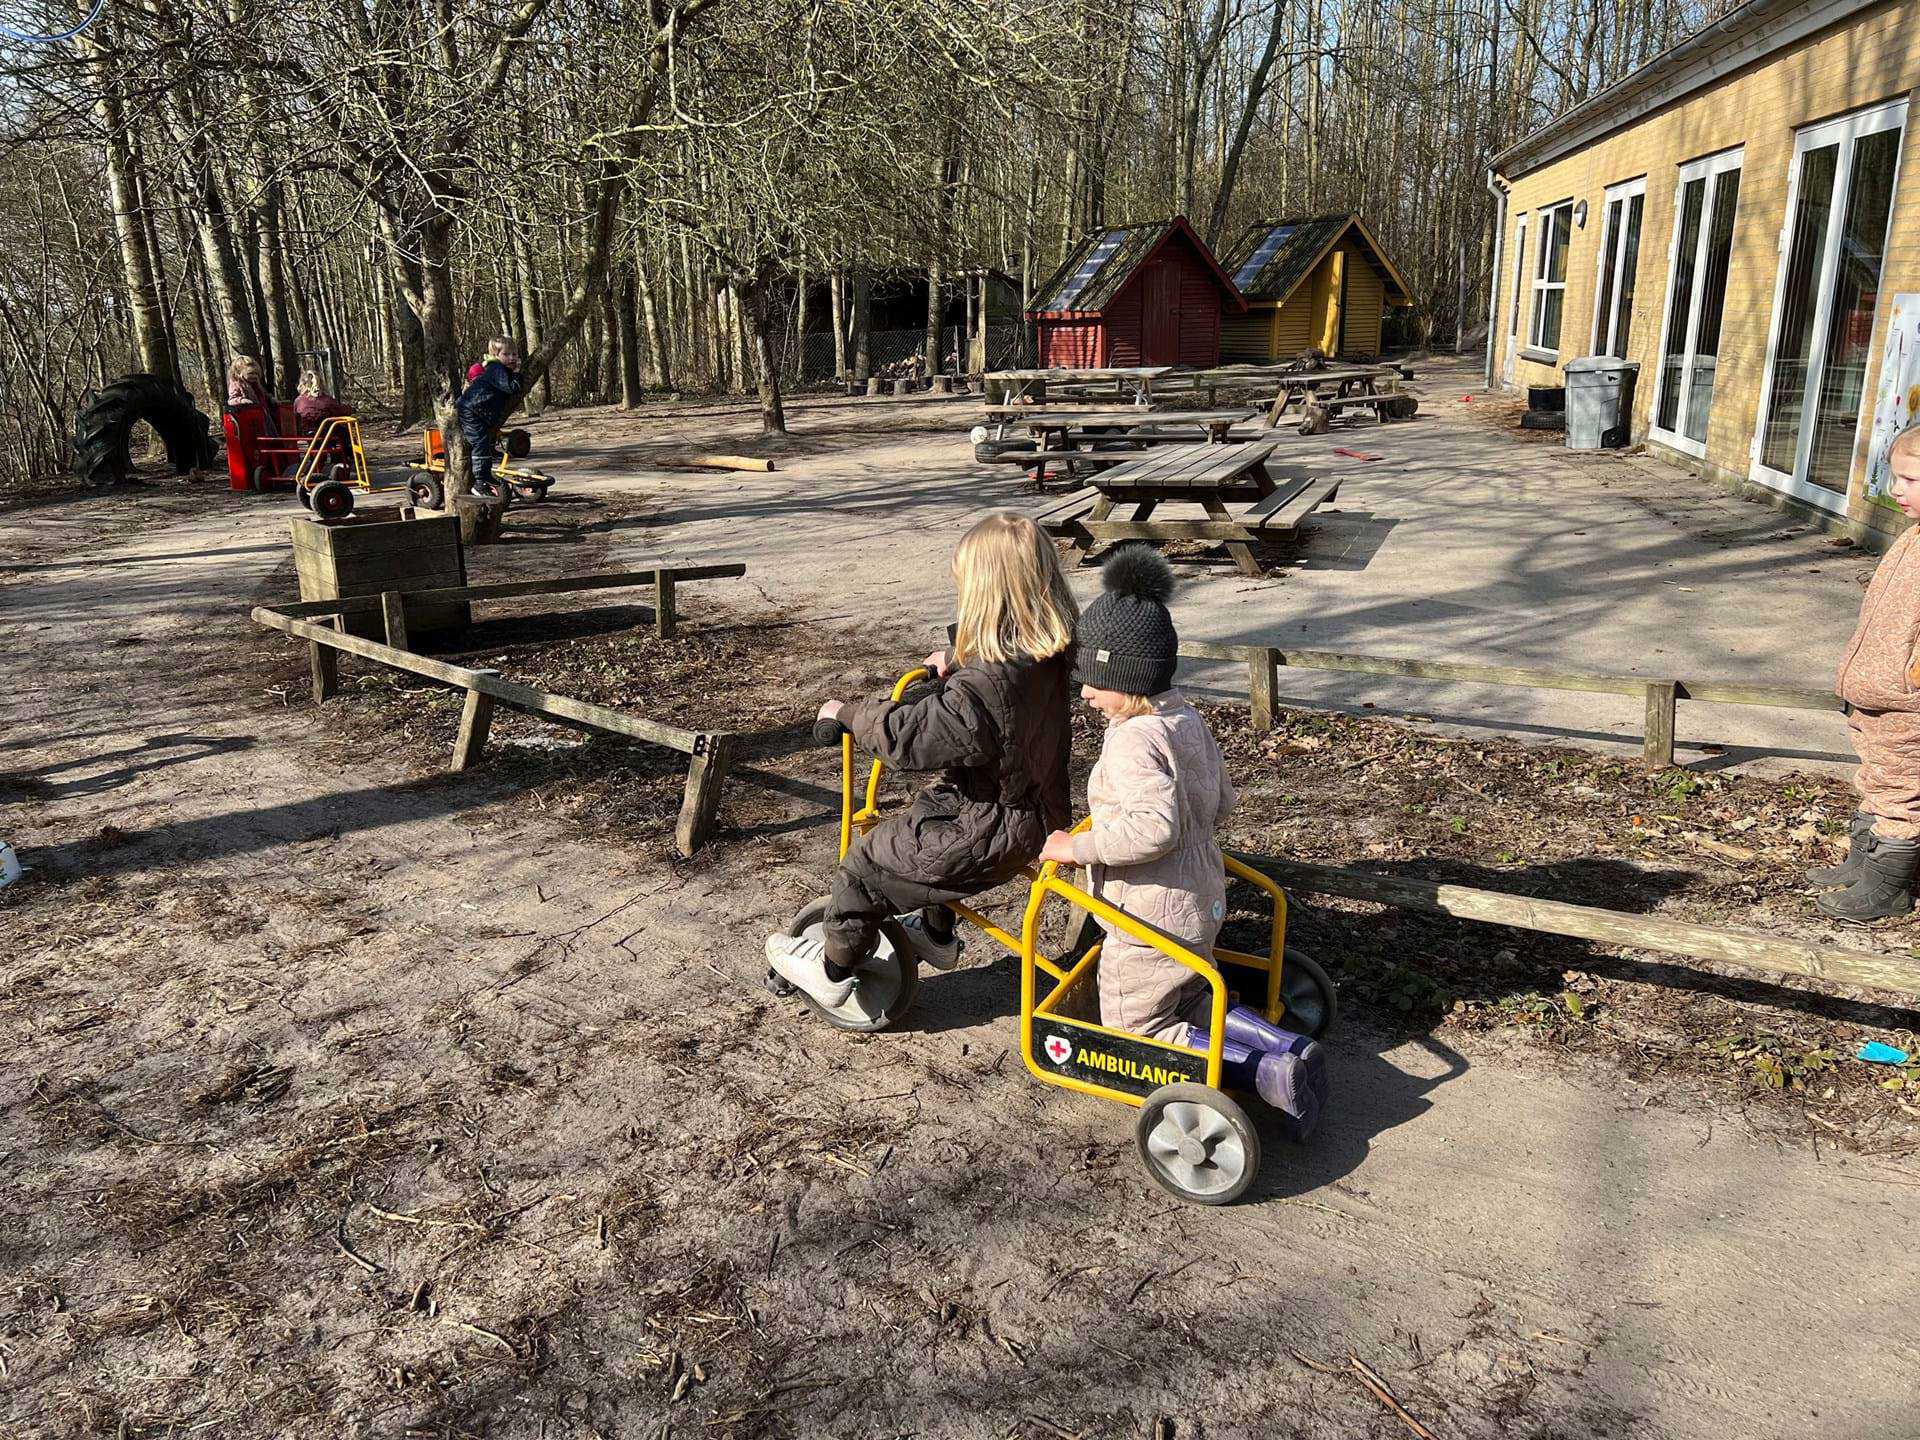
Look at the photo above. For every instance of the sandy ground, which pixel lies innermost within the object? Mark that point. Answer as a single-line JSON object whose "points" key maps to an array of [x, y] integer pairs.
{"points": [[342, 1102]]}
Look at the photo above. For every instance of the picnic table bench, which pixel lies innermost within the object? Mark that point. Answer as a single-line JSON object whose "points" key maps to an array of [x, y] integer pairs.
{"points": [[1195, 474]]}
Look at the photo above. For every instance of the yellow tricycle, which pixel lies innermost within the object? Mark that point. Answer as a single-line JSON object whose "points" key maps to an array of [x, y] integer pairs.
{"points": [[1194, 1138]]}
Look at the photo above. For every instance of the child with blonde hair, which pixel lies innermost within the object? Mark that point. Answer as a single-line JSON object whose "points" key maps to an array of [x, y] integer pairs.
{"points": [[1154, 798], [994, 724]]}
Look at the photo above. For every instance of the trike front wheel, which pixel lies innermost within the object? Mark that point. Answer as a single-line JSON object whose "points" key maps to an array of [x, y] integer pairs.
{"points": [[1197, 1144], [886, 987]]}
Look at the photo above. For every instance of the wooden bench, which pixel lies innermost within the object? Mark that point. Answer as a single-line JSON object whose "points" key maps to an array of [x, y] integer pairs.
{"points": [[1284, 510]]}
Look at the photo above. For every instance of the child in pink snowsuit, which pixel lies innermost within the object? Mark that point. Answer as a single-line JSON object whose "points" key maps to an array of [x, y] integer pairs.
{"points": [[1155, 796], [1880, 681]]}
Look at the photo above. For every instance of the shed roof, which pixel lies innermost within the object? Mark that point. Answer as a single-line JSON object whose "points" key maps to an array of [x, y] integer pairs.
{"points": [[1102, 261], [1272, 257], [1745, 35]]}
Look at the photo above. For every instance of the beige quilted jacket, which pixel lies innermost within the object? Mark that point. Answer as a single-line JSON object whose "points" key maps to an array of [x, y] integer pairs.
{"points": [[1876, 669], [1155, 795]]}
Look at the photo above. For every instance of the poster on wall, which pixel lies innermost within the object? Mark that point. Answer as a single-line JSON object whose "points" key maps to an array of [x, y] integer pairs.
{"points": [[1896, 404]]}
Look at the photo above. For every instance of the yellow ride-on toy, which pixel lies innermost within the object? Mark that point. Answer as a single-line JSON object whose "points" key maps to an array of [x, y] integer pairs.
{"points": [[428, 485], [332, 466], [1194, 1138]]}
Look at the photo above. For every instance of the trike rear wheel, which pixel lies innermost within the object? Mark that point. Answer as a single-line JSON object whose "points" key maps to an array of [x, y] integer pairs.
{"points": [[886, 986], [1197, 1144], [1312, 1004]]}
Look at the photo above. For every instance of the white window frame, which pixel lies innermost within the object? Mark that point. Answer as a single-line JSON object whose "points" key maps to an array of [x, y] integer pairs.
{"points": [[1613, 247], [1519, 286], [1709, 168], [1847, 129], [1540, 285]]}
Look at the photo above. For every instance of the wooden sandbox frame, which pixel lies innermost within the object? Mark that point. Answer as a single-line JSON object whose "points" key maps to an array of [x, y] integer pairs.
{"points": [[713, 753]]}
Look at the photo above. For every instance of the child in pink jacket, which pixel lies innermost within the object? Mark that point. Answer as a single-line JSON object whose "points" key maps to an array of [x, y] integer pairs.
{"points": [[1155, 796], [1879, 679]]}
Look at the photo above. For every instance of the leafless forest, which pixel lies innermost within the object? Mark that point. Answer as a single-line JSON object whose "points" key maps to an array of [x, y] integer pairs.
{"points": [[636, 190]]}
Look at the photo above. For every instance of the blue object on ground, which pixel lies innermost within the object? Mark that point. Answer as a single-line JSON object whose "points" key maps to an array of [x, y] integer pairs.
{"points": [[1874, 1053]]}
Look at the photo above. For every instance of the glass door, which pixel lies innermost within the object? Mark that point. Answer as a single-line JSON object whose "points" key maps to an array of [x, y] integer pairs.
{"points": [[1519, 285], [1619, 267], [1703, 211], [1829, 288]]}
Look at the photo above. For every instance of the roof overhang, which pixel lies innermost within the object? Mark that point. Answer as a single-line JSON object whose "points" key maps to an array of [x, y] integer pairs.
{"points": [[1736, 40]]}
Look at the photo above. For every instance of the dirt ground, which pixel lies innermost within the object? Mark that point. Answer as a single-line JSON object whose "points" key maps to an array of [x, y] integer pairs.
{"points": [[346, 1097]]}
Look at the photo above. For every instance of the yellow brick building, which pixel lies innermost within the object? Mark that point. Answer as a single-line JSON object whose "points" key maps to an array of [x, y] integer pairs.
{"points": [[1735, 216]]}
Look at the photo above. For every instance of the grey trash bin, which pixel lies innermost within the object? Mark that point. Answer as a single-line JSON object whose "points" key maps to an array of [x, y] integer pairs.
{"points": [[1599, 401]]}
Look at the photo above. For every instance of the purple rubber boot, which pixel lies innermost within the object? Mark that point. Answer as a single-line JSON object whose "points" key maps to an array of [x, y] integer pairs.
{"points": [[1250, 1028], [1293, 1084]]}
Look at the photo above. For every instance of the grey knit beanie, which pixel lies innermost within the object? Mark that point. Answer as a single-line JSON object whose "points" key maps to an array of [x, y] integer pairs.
{"points": [[1125, 640]]}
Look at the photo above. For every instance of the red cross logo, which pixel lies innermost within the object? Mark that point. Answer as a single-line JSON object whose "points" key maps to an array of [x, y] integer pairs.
{"points": [[1058, 1049]]}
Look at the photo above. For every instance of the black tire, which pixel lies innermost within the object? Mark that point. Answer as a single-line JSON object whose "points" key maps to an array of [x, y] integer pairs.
{"points": [[518, 444], [337, 473], [331, 500], [104, 429], [427, 492], [1312, 1004], [540, 490], [886, 991], [1197, 1144], [306, 500], [496, 489]]}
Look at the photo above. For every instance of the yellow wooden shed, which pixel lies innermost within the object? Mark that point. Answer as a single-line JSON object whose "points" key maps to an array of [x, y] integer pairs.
{"points": [[1320, 283]]}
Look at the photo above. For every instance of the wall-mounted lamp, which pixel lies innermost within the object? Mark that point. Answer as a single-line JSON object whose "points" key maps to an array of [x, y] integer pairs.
{"points": [[1580, 214]]}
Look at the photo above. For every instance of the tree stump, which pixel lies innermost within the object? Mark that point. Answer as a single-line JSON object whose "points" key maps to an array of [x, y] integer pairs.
{"points": [[875, 385], [1315, 421], [943, 384], [903, 387]]}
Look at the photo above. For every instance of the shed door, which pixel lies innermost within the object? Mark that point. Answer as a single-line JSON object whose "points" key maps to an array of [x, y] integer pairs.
{"points": [[1160, 314]]}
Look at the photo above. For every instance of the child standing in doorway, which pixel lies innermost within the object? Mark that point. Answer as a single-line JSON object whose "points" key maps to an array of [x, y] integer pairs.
{"points": [[1155, 796], [1880, 681], [995, 726]]}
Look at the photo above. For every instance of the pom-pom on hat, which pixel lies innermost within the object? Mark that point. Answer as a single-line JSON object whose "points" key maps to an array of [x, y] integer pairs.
{"points": [[1125, 640]]}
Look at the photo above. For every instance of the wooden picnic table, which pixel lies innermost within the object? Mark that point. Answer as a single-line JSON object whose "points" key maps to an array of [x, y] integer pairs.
{"points": [[1197, 474], [1109, 436], [1014, 383], [1330, 390]]}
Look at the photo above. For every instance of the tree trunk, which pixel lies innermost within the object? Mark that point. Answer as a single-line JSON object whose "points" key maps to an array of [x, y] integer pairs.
{"points": [[632, 394], [755, 300], [136, 258], [837, 294], [656, 340], [862, 326], [528, 283], [273, 293]]}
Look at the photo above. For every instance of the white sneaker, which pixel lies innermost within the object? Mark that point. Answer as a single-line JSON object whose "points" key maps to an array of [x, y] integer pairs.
{"points": [[801, 960], [925, 947]]}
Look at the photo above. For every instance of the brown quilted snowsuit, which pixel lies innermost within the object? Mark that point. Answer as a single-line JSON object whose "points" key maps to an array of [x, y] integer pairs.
{"points": [[1877, 678], [1000, 735]]}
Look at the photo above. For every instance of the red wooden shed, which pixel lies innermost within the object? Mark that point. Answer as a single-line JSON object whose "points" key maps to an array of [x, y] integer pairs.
{"points": [[1147, 294]]}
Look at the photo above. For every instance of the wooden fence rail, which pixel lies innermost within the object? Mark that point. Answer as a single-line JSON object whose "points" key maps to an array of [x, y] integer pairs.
{"points": [[1752, 949], [713, 752], [1662, 696]]}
